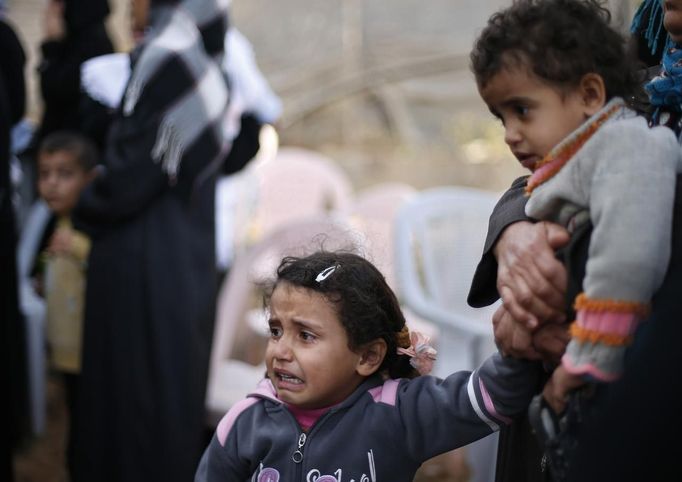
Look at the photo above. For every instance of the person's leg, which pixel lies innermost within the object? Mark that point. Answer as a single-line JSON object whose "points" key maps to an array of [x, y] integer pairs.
{"points": [[71, 392]]}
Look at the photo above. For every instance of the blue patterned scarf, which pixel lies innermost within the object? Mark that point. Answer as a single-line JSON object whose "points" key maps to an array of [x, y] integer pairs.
{"points": [[665, 90]]}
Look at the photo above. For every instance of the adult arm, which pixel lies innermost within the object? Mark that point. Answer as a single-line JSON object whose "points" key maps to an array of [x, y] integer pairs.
{"points": [[518, 263], [515, 240], [509, 210]]}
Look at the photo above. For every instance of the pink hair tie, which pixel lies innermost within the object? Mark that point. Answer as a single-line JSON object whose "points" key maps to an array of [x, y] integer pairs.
{"points": [[421, 353]]}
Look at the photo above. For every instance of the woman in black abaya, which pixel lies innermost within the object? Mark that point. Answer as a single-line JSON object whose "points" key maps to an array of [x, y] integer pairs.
{"points": [[151, 274]]}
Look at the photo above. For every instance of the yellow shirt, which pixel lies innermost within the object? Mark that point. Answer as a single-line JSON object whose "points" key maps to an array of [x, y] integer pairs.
{"points": [[65, 296]]}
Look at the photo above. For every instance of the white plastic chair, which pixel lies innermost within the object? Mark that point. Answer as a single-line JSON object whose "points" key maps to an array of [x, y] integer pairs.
{"points": [[34, 311], [239, 316], [439, 239]]}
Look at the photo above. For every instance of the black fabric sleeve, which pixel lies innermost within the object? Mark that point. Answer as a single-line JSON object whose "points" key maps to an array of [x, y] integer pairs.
{"points": [[12, 61], [130, 179], [245, 146], [509, 209]]}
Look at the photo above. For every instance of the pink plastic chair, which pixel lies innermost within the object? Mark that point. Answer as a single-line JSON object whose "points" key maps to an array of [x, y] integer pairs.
{"points": [[296, 184], [373, 211]]}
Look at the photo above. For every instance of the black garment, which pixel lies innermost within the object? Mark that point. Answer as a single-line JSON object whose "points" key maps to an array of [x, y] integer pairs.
{"points": [[148, 316], [12, 62], [245, 146], [623, 436], [95, 118], [519, 455], [82, 13], [14, 421], [60, 66]]}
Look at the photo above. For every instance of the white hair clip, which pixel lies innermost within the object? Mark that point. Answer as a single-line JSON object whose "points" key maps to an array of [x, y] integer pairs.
{"points": [[326, 273]]}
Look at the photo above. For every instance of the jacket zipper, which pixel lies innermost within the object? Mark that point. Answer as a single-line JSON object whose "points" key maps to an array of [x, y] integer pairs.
{"points": [[297, 456]]}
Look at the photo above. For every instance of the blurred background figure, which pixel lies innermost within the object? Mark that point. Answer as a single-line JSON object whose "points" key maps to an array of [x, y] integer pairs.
{"points": [[74, 31], [252, 105], [66, 162], [12, 372], [151, 273]]}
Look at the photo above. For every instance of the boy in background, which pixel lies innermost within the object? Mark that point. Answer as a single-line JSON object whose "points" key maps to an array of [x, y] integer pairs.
{"points": [[66, 162]]}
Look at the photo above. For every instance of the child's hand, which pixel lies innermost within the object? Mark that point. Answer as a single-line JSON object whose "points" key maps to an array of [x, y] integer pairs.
{"points": [[550, 340], [557, 388], [60, 242], [513, 338], [547, 342]]}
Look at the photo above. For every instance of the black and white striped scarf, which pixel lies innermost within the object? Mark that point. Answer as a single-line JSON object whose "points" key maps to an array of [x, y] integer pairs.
{"points": [[178, 65]]}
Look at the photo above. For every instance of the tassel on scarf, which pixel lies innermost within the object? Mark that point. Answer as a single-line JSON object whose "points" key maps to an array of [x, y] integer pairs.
{"points": [[651, 12]]}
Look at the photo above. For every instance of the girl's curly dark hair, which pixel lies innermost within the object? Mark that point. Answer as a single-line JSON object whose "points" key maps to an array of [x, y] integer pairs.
{"points": [[366, 305], [559, 41]]}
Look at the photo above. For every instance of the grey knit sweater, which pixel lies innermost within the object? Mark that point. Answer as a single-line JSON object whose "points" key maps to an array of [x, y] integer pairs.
{"points": [[622, 179]]}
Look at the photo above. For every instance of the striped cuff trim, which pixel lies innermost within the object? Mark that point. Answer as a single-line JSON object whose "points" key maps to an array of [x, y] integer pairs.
{"points": [[588, 369], [583, 302], [477, 407], [621, 324], [592, 336], [489, 405]]}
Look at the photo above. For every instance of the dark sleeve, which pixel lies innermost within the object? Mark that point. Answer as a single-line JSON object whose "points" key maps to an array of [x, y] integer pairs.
{"points": [[509, 209], [96, 119], [245, 146], [12, 61], [130, 179]]}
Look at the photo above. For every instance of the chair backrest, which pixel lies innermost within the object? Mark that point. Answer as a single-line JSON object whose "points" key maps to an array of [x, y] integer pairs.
{"points": [[439, 240], [373, 212], [240, 291], [296, 184], [34, 311]]}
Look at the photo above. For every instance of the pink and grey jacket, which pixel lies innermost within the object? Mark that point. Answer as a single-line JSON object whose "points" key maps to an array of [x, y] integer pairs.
{"points": [[383, 432]]}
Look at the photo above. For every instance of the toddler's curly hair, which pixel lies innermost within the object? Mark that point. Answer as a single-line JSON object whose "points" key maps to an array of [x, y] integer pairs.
{"points": [[559, 41]]}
